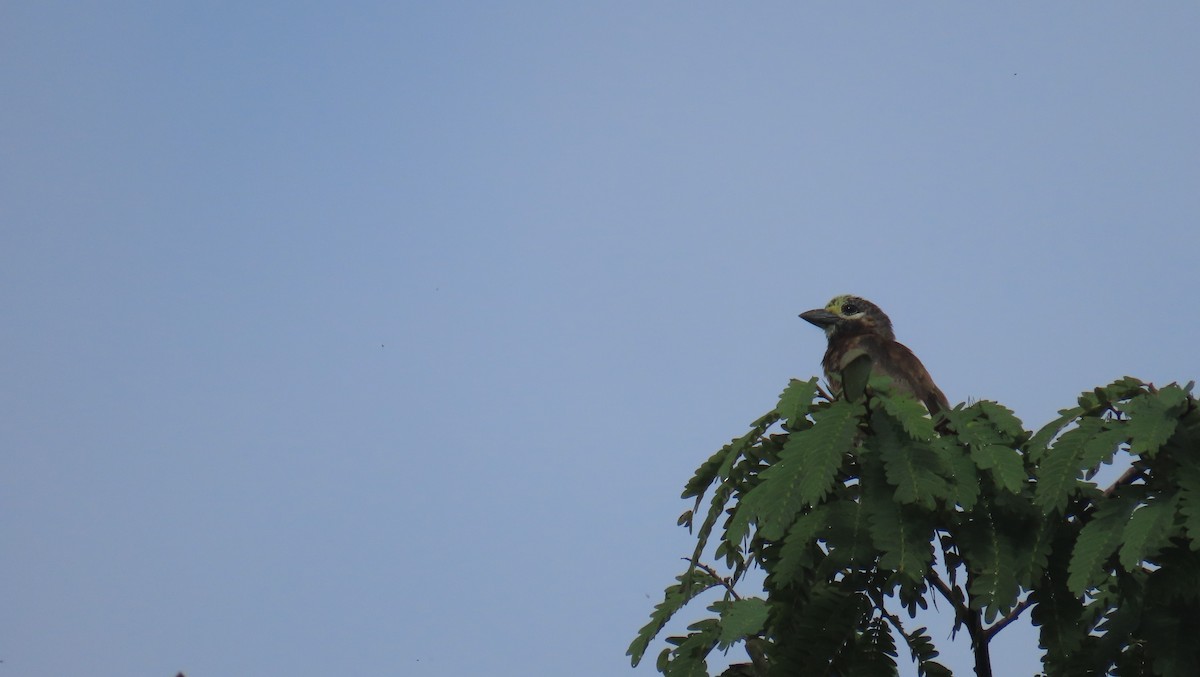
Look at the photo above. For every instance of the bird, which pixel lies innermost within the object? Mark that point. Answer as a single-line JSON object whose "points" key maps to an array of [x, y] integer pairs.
{"points": [[857, 328]]}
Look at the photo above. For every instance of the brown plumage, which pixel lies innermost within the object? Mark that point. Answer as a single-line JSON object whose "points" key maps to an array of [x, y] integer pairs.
{"points": [[856, 328]]}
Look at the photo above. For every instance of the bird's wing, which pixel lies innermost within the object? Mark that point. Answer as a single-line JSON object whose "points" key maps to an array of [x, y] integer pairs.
{"points": [[902, 366]]}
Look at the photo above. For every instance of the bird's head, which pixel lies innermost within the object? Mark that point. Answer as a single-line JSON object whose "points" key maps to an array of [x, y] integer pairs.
{"points": [[846, 315]]}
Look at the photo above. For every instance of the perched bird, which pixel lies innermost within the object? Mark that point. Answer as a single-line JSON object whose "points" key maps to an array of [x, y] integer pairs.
{"points": [[857, 328]]}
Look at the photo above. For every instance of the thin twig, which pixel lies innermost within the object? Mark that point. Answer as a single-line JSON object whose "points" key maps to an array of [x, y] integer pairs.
{"points": [[892, 618], [713, 572]]}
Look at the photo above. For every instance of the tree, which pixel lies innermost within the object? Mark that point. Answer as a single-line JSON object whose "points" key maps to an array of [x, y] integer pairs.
{"points": [[862, 510]]}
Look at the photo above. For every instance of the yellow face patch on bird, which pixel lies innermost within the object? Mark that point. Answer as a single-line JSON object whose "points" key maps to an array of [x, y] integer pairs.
{"points": [[846, 306], [848, 314]]}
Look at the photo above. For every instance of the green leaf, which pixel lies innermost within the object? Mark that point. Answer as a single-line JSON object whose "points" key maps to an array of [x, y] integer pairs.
{"points": [[818, 451], [796, 553], [1058, 614], [1171, 642], [689, 586], [718, 465], [1123, 388], [796, 401], [980, 433], [873, 654], [1153, 418], [689, 663], [1032, 553], [1005, 464], [964, 484], [1040, 442], [848, 536], [1120, 610], [803, 476], [746, 513], [913, 467], [903, 534], [923, 652], [1097, 541], [707, 472], [1189, 502], [1148, 530], [995, 590], [992, 442], [740, 619], [688, 657], [716, 507], [1177, 581], [819, 628], [1003, 420], [1101, 400], [993, 582], [1101, 448], [910, 413], [1059, 469]]}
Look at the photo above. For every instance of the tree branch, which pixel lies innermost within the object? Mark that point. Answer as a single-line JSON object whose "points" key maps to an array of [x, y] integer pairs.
{"points": [[1131, 475], [979, 640], [936, 581], [1009, 617], [877, 600], [979, 644], [974, 622]]}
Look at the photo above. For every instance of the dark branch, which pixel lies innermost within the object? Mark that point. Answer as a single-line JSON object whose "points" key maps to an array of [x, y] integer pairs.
{"points": [[1009, 617], [1132, 475], [934, 580], [979, 640]]}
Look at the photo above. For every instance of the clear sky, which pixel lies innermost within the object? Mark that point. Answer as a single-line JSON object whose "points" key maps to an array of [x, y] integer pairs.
{"points": [[380, 338]]}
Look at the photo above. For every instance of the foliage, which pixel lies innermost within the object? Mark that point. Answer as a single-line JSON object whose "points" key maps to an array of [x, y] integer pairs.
{"points": [[860, 511]]}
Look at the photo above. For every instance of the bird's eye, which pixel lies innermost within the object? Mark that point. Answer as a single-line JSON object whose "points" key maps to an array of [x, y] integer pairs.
{"points": [[849, 309]]}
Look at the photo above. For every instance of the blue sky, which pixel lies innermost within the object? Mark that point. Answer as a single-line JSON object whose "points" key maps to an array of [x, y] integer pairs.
{"points": [[381, 338]]}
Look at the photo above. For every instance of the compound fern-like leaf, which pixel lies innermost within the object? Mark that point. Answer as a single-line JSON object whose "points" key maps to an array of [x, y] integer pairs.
{"points": [[740, 618], [796, 401], [796, 553], [1058, 473], [1153, 418], [803, 475], [1003, 420], [1189, 502], [1097, 541], [1004, 463], [904, 535], [676, 596], [1148, 530], [910, 413]]}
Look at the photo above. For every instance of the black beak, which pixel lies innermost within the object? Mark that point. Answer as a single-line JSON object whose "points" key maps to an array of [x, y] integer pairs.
{"points": [[820, 317]]}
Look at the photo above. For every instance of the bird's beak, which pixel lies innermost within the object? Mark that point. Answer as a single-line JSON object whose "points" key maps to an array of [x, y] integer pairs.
{"points": [[820, 317]]}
